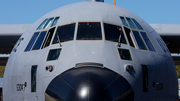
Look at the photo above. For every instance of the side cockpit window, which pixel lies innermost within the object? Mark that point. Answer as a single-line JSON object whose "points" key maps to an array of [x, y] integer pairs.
{"points": [[43, 38], [64, 33], [124, 21], [48, 38], [139, 40], [48, 24], [31, 43], [89, 31], [39, 41], [131, 24], [135, 34], [128, 33], [137, 24], [42, 24], [114, 33], [147, 41], [55, 21]]}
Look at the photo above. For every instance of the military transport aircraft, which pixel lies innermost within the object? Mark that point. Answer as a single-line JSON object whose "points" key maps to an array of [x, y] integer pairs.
{"points": [[89, 51]]}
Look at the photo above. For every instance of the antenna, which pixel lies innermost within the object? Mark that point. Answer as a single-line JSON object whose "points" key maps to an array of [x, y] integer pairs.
{"points": [[114, 2]]}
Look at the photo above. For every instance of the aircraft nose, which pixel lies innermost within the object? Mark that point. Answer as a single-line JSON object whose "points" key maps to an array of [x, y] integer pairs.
{"points": [[89, 83]]}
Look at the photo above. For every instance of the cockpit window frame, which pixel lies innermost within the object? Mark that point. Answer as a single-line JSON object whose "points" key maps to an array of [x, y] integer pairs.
{"points": [[32, 41], [52, 25], [33, 48], [41, 26], [134, 25], [147, 49], [137, 24], [51, 57], [48, 23], [49, 36], [55, 31], [124, 23], [131, 59], [125, 36], [77, 26], [145, 41]]}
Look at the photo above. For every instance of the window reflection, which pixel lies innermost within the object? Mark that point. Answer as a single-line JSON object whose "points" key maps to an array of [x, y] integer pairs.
{"points": [[53, 54], [147, 41], [131, 23], [112, 33], [124, 21], [39, 41], [64, 33], [137, 24], [48, 24], [89, 31], [55, 21], [42, 24], [139, 40], [48, 38], [125, 54], [33, 39]]}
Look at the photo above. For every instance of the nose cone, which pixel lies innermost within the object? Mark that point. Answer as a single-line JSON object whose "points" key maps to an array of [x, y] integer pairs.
{"points": [[89, 84]]}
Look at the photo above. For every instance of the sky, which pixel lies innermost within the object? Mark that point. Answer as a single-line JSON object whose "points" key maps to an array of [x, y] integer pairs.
{"points": [[28, 11]]}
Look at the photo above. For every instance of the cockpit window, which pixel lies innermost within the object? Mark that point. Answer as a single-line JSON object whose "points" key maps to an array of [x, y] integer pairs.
{"points": [[64, 33], [55, 21], [139, 40], [48, 24], [42, 24], [89, 31], [147, 41], [53, 54], [113, 32], [128, 33], [124, 21], [131, 23], [33, 39], [125, 54], [48, 38], [39, 41], [137, 24]]}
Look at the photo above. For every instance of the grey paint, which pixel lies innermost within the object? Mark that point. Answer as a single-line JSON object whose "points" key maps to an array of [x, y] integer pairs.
{"points": [[170, 33], [9, 34], [160, 63]]}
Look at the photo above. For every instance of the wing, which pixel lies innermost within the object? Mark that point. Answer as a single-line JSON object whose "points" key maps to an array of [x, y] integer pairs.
{"points": [[170, 33], [9, 34]]}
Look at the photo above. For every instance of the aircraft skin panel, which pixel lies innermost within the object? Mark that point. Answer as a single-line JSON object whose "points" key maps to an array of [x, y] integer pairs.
{"points": [[81, 42]]}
